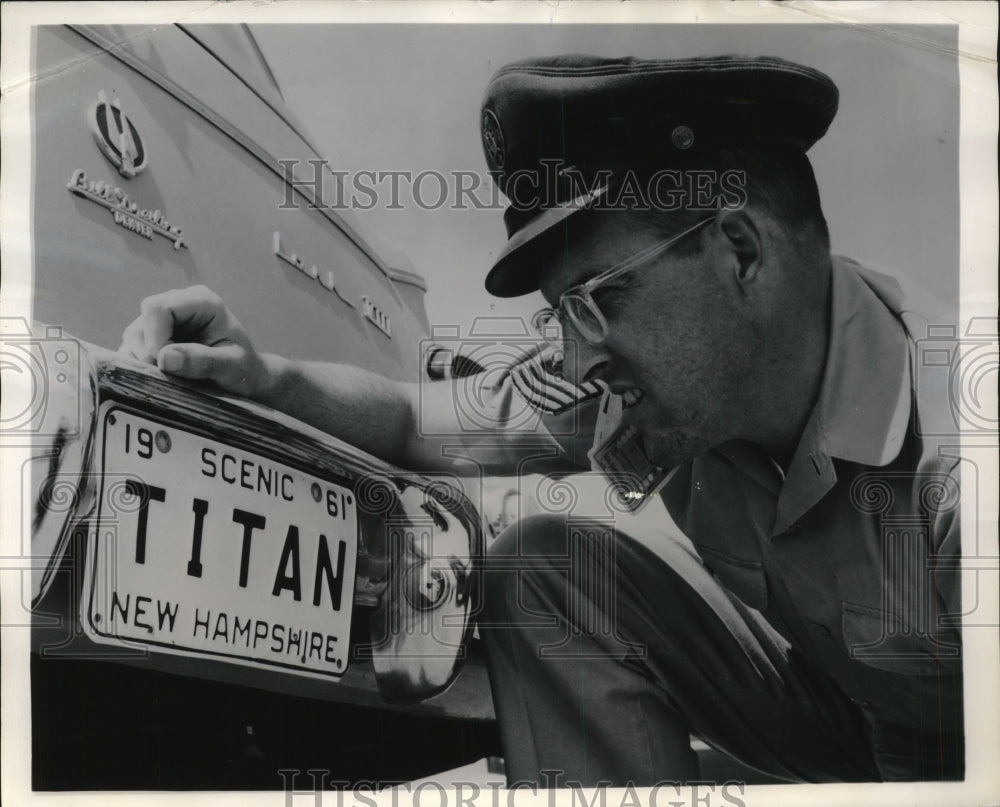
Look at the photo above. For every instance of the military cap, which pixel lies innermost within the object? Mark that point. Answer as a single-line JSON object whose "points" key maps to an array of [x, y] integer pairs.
{"points": [[552, 127]]}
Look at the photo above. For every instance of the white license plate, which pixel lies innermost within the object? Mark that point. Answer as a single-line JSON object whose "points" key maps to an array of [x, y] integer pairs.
{"points": [[205, 549]]}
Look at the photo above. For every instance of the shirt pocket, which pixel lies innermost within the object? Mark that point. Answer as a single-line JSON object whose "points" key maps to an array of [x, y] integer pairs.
{"points": [[744, 578], [883, 641]]}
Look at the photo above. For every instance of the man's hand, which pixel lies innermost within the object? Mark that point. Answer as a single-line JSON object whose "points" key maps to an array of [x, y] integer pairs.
{"points": [[191, 334]]}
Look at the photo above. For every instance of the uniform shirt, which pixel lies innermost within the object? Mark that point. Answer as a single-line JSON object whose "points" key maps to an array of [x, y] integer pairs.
{"points": [[853, 554]]}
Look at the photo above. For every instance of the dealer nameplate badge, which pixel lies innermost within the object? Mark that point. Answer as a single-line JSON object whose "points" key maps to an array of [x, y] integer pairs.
{"points": [[122, 144]]}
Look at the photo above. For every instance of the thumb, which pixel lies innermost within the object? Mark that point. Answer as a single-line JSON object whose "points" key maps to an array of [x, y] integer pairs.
{"points": [[225, 364]]}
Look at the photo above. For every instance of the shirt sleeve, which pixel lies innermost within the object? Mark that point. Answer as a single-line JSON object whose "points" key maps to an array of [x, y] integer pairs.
{"points": [[947, 548], [521, 419]]}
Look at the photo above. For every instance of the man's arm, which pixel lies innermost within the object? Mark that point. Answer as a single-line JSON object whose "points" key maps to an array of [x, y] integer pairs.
{"points": [[374, 413], [191, 334]]}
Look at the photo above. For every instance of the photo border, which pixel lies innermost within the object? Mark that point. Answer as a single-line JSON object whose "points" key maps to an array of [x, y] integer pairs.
{"points": [[978, 295]]}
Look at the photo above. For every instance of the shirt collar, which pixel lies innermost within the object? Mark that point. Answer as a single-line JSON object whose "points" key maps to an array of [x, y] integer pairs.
{"points": [[864, 402]]}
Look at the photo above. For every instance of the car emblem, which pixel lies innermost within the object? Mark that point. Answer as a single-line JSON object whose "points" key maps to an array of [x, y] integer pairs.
{"points": [[117, 136]]}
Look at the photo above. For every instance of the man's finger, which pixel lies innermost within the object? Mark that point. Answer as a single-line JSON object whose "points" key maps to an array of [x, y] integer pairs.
{"points": [[157, 328], [225, 364], [134, 343], [180, 313]]}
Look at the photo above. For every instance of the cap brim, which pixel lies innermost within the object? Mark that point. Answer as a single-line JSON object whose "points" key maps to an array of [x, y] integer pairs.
{"points": [[517, 268]]}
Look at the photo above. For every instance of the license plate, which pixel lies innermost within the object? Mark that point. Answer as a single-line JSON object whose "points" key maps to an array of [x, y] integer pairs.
{"points": [[205, 549]]}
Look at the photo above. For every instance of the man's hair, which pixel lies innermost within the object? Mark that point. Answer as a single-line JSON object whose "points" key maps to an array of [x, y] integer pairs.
{"points": [[779, 181]]}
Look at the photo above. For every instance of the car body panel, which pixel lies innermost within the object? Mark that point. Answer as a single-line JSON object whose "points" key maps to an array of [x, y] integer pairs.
{"points": [[209, 202], [226, 200]]}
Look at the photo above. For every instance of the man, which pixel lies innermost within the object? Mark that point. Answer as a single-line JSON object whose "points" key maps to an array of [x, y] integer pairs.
{"points": [[668, 213]]}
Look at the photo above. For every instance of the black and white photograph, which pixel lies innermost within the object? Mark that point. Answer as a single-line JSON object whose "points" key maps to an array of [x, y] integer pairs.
{"points": [[484, 403]]}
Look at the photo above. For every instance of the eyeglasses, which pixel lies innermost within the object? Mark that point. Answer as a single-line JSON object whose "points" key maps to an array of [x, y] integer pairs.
{"points": [[578, 306]]}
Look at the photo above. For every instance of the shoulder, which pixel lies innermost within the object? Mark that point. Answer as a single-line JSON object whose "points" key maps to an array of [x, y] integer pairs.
{"points": [[902, 294], [935, 347]]}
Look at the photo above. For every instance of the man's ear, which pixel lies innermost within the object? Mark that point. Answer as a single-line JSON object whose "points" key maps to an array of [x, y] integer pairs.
{"points": [[743, 241]]}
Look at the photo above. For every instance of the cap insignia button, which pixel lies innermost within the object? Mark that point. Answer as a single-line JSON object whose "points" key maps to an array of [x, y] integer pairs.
{"points": [[493, 143], [682, 137]]}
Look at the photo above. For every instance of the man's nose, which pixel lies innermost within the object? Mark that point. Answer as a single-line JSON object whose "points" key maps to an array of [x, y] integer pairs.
{"points": [[582, 361]]}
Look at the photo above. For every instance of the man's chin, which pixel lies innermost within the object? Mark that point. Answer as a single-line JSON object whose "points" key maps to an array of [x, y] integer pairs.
{"points": [[670, 448]]}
